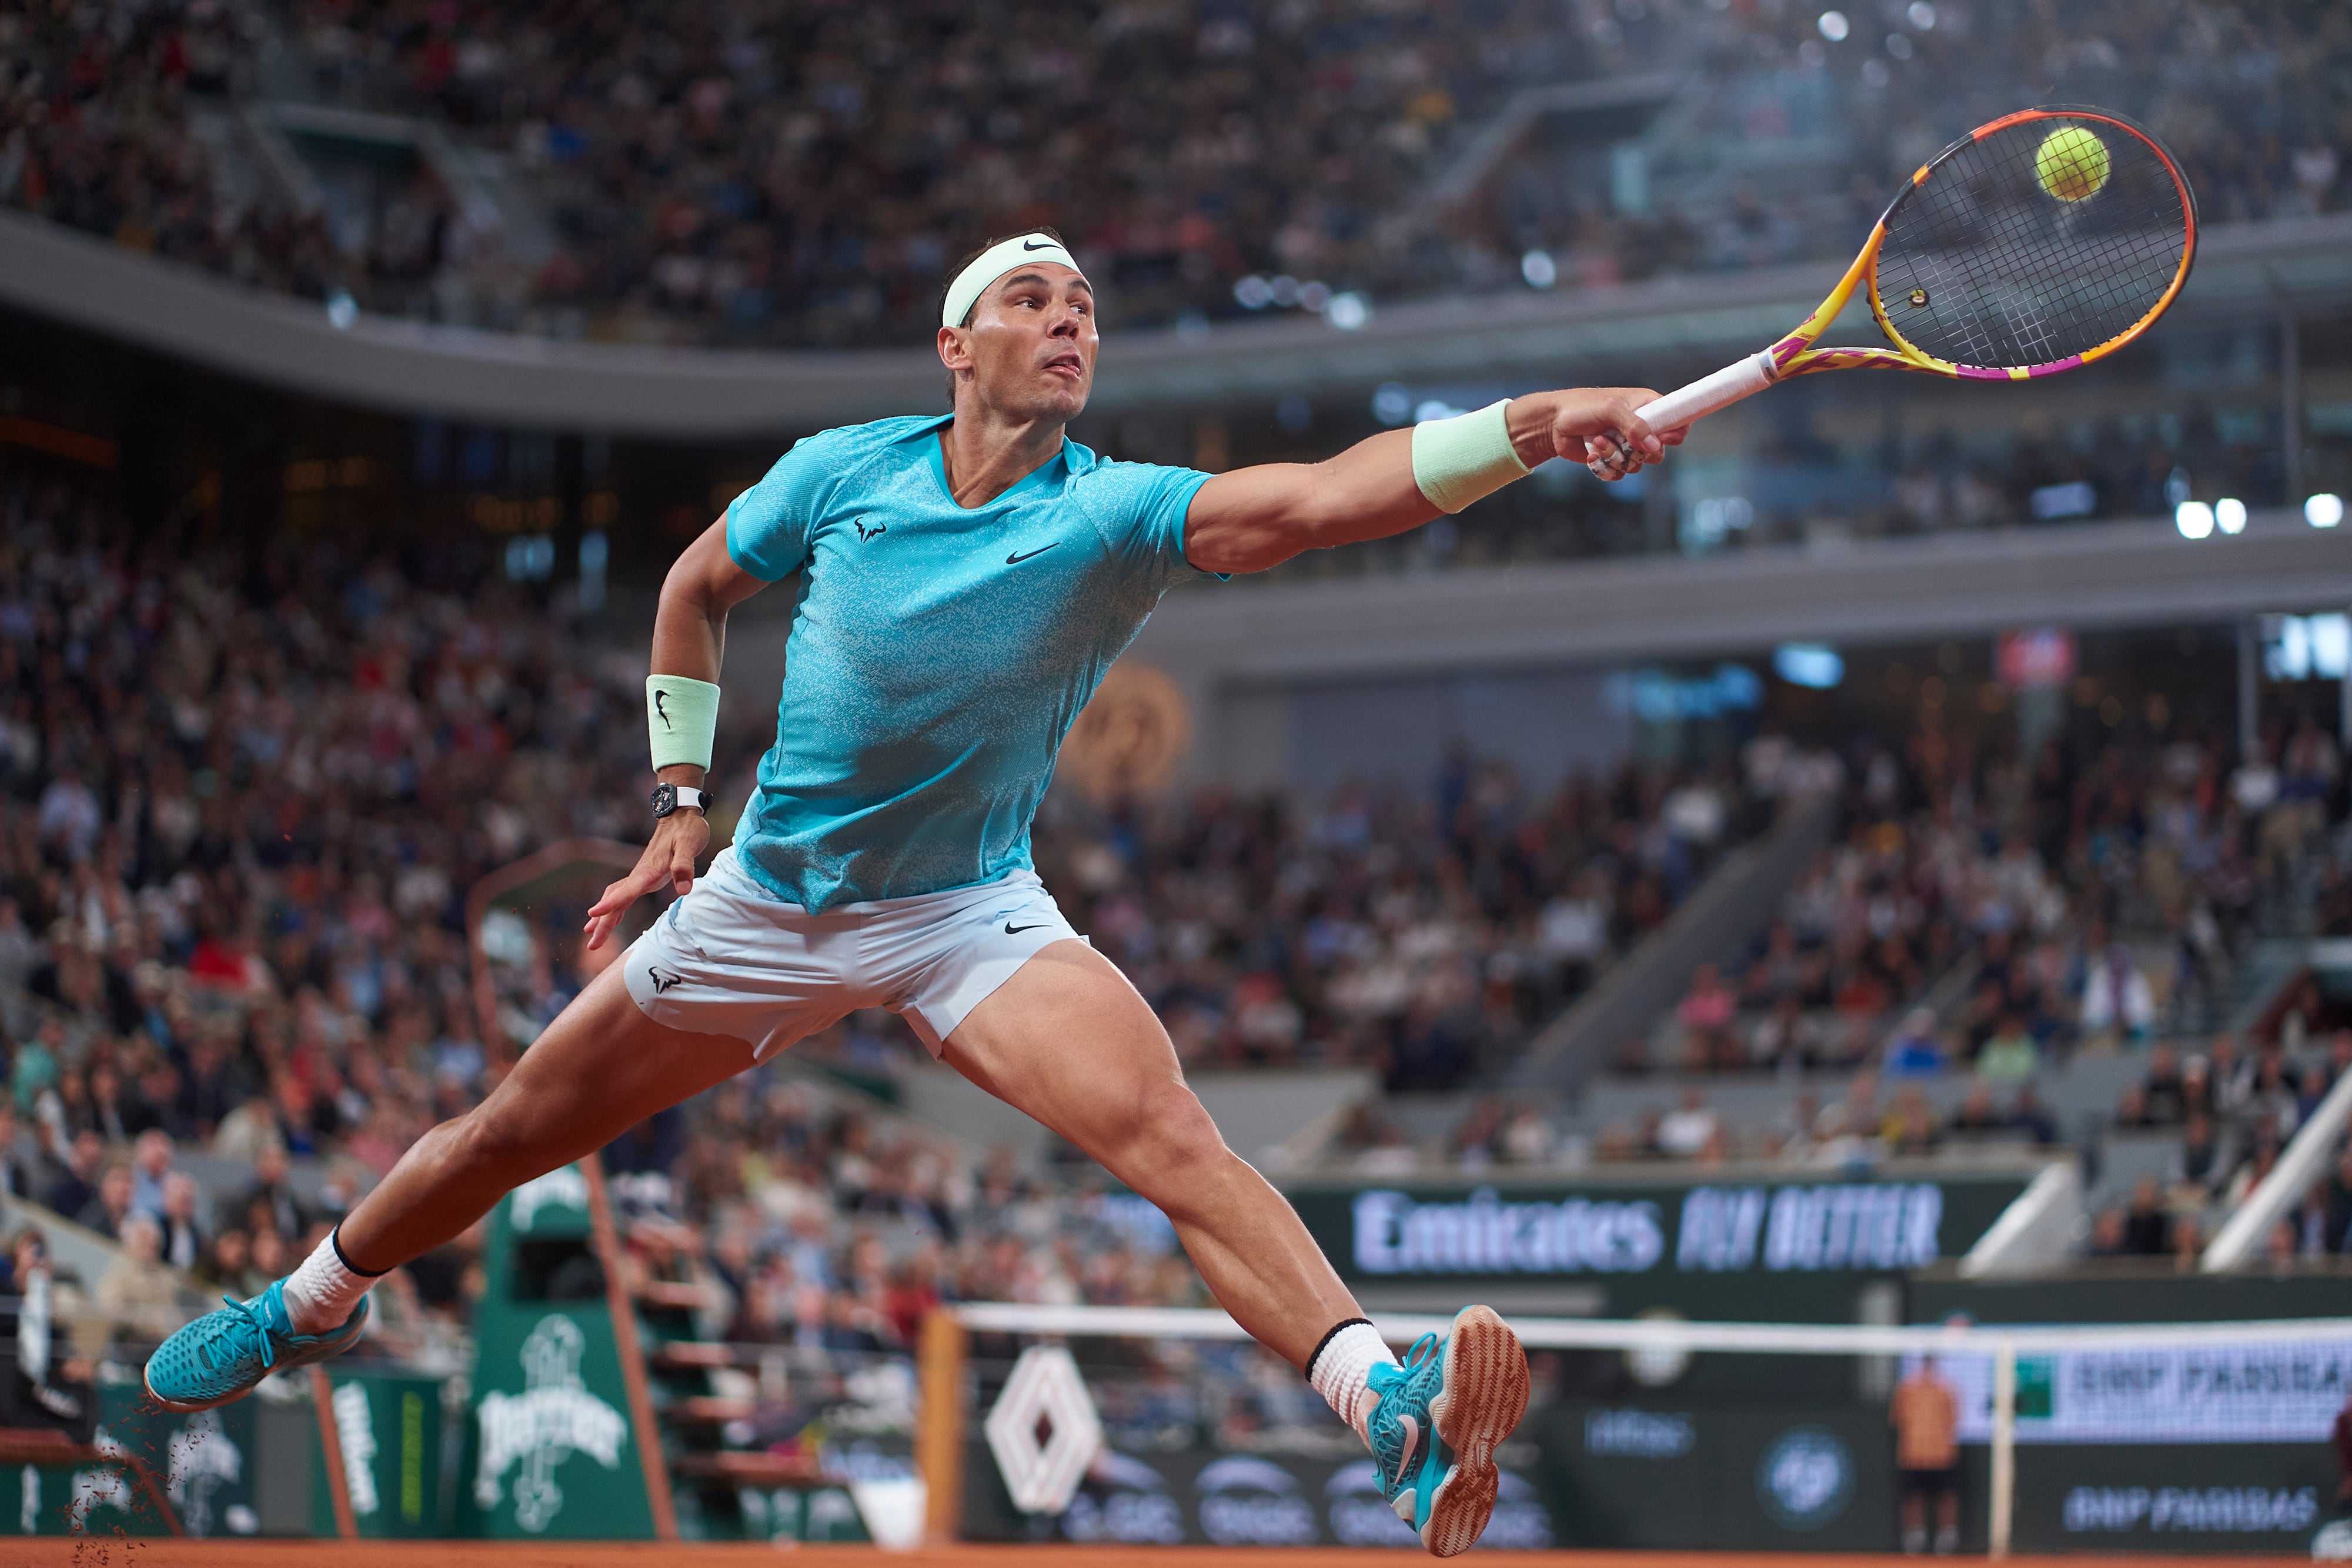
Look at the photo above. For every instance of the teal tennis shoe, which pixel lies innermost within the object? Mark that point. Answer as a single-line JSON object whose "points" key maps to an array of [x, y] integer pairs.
{"points": [[225, 1353], [1398, 1427], [1461, 1394]]}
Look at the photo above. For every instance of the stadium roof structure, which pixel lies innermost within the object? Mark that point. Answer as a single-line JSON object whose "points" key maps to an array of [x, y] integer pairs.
{"points": [[684, 393]]}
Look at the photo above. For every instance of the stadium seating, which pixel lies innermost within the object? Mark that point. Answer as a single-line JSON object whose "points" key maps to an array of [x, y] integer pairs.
{"points": [[762, 174]]}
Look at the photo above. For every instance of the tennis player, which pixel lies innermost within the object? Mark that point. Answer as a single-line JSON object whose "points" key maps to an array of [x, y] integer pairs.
{"points": [[960, 582]]}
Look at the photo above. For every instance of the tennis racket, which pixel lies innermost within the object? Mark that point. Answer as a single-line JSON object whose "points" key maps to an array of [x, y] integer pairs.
{"points": [[2045, 240]]}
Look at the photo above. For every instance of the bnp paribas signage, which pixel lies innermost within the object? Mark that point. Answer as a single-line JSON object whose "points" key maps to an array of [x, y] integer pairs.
{"points": [[1653, 1231]]}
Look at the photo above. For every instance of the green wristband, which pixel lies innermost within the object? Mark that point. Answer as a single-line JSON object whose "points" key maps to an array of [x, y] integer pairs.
{"points": [[1457, 461], [681, 720]]}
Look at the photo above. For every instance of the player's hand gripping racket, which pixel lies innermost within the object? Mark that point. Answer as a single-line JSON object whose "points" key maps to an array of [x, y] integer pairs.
{"points": [[2042, 241]]}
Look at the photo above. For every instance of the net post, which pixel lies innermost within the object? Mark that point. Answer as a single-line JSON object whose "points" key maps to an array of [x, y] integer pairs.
{"points": [[938, 1434], [2004, 1449]]}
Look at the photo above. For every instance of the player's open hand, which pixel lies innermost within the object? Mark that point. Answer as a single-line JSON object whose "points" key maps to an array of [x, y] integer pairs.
{"points": [[677, 842]]}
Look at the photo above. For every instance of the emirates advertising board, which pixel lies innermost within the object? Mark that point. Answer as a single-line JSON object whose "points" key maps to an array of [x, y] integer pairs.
{"points": [[1659, 1241]]}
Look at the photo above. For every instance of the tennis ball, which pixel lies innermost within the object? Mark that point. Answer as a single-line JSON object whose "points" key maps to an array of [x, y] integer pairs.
{"points": [[2072, 164]]}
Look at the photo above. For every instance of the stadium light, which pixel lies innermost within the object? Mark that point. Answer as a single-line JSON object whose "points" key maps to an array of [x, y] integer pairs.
{"points": [[2230, 513], [1349, 312], [342, 310], [1833, 27], [1899, 45], [1921, 16], [2193, 519], [1537, 267], [2323, 510], [1253, 293]]}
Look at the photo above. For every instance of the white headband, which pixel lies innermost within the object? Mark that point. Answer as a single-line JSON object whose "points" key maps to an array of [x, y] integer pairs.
{"points": [[994, 263]]}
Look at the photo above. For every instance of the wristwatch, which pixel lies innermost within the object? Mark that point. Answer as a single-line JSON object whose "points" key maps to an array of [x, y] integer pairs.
{"points": [[668, 797]]}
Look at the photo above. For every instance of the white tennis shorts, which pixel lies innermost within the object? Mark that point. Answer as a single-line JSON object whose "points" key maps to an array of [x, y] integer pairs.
{"points": [[732, 959]]}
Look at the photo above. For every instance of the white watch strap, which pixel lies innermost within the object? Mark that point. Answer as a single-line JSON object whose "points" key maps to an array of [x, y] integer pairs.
{"points": [[688, 796]]}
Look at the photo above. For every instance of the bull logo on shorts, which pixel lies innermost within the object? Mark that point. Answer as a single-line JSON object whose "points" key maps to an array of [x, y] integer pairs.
{"points": [[663, 980]]}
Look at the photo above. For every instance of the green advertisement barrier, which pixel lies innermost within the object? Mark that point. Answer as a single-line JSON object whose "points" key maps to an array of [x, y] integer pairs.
{"points": [[2218, 1499], [1787, 1478], [390, 1429], [1204, 1497], [550, 1453], [1791, 1250], [204, 1462]]}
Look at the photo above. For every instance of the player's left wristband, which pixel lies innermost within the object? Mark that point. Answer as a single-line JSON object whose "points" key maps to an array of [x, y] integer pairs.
{"points": [[1457, 461], [681, 720]]}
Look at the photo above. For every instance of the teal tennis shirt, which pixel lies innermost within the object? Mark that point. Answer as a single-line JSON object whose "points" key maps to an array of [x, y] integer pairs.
{"points": [[938, 654]]}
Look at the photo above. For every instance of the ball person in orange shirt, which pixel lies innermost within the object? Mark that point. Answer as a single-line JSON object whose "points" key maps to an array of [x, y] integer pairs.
{"points": [[1926, 1415]]}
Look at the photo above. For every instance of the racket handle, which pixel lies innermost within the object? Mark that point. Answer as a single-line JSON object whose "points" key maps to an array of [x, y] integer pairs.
{"points": [[1708, 393]]}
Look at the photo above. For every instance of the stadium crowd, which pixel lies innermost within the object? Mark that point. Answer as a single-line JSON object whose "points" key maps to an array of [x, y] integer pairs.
{"points": [[764, 173]]}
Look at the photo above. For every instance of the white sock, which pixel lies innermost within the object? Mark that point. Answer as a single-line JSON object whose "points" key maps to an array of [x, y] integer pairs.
{"points": [[320, 1294], [1341, 1370]]}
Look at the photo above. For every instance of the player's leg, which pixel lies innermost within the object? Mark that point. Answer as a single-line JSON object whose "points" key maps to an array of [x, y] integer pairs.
{"points": [[1068, 1041], [598, 1068]]}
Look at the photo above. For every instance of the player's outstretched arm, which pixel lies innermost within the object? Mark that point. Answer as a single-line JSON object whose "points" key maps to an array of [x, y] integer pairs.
{"points": [[689, 640], [1253, 518]]}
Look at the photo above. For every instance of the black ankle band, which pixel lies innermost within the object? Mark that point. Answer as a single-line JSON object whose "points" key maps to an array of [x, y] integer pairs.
{"points": [[335, 1241], [1326, 1340]]}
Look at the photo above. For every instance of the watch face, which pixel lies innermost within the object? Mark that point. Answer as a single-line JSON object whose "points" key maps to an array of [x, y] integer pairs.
{"points": [[665, 799]]}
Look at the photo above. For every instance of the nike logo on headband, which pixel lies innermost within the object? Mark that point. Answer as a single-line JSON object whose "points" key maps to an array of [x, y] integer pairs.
{"points": [[1039, 244]]}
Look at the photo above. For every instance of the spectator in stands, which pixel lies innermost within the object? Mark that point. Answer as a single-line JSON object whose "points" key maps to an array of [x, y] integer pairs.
{"points": [[2148, 1229], [1916, 1052], [1978, 1117], [1912, 1131], [2204, 1162], [2188, 1242], [2032, 1119], [2110, 1236], [2117, 998], [73, 1182], [1926, 1415], [2010, 1055], [1705, 1014], [19, 1157], [150, 1166], [107, 1211], [271, 1198], [2163, 1093], [136, 1299], [2253, 1170], [2272, 1090], [40, 1389], [1688, 1129], [183, 1242], [2339, 1203]]}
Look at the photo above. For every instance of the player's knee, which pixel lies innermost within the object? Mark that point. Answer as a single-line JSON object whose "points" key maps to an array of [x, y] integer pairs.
{"points": [[1174, 1144], [492, 1141]]}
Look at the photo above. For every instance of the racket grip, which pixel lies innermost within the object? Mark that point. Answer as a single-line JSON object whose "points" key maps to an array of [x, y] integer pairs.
{"points": [[1708, 393]]}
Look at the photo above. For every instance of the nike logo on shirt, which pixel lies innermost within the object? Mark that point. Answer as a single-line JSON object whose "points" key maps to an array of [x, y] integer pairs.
{"points": [[1013, 930], [1017, 558]]}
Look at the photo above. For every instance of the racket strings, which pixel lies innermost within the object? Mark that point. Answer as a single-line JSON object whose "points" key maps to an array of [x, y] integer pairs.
{"points": [[1983, 267]]}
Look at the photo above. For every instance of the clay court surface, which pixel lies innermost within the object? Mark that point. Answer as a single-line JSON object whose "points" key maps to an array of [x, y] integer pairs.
{"points": [[95, 1552]]}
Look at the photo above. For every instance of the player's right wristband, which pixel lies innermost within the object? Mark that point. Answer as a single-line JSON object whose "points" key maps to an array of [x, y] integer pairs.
{"points": [[1457, 461], [681, 720]]}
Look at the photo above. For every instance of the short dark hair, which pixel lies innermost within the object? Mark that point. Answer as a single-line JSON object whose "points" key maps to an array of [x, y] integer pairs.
{"points": [[983, 248]]}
